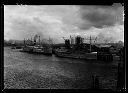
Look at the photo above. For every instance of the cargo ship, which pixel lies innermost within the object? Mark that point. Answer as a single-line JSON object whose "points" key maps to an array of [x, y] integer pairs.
{"points": [[80, 51], [86, 56], [76, 54]]}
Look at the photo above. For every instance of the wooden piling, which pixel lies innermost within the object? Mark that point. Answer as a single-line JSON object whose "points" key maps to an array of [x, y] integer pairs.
{"points": [[118, 77], [95, 84]]}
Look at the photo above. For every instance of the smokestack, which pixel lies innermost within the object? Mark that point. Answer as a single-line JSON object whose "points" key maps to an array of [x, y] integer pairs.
{"points": [[39, 39], [35, 37]]}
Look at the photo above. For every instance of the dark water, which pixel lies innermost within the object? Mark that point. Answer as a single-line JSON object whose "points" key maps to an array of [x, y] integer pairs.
{"points": [[23, 70]]}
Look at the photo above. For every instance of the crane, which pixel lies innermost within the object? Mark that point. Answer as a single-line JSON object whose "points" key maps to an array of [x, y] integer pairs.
{"points": [[90, 39]]}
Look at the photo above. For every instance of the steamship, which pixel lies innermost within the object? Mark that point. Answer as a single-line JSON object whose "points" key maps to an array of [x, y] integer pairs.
{"points": [[35, 48]]}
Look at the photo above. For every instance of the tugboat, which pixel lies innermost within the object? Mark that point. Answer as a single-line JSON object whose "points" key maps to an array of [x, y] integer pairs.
{"points": [[15, 46], [28, 49]]}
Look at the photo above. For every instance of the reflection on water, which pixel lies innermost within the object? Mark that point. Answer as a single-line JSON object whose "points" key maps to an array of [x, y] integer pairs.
{"points": [[23, 70]]}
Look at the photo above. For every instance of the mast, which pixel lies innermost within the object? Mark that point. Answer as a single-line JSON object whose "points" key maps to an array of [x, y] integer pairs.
{"points": [[90, 43], [31, 40], [71, 39], [39, 40], [49, 40], [28, 41], [24, 41]]}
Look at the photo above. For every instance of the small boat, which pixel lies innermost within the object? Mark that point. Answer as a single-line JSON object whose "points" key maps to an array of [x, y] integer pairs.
{"points": [[47, 51], [13, 47], [16, 47], [28, 49]]}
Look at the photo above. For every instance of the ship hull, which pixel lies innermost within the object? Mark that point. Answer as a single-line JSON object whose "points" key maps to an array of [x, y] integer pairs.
{"points": [[42, 53], [86, 56], [33, 50], [36, 52]]}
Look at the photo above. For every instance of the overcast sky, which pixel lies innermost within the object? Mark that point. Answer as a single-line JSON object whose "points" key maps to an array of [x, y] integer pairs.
{"points": [[57, 21]]}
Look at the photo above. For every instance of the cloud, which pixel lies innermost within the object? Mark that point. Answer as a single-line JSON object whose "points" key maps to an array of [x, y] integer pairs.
{"points": [[99, 20], [100, 16], [111, 34], [56, 21]]}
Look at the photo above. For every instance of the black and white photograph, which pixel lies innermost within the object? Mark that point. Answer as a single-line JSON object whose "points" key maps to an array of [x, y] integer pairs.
{"points": [[64, 47]]}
